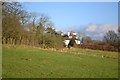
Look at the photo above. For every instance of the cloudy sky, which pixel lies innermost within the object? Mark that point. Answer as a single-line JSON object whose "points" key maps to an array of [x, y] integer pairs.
{"points": [[93, 18]]}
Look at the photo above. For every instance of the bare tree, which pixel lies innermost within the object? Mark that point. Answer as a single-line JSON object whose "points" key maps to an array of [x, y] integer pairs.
{"points": [[111, 38]]}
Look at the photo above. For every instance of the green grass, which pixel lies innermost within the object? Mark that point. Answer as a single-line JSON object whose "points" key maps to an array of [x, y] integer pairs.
{"points": [[76, 63]]}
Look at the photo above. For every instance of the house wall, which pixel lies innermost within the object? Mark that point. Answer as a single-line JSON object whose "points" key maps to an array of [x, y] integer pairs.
{"points": [[77, 41], [66, 42]]}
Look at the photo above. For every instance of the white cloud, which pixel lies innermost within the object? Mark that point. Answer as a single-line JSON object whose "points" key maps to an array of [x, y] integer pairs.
{"points": [[99, 30], [91, 28]]}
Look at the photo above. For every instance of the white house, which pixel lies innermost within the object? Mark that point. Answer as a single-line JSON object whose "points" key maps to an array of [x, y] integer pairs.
{"points": [[66, 42], [70, 35]]}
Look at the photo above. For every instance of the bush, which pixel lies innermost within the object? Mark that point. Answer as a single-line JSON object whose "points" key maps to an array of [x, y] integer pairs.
{"points": [[52, 41], [99, 47]]}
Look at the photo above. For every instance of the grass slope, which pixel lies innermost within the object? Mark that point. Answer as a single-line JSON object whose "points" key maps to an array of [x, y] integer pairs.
{"points": [[36, 63]]}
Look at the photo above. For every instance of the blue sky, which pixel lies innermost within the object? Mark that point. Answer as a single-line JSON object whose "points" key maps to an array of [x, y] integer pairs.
{"points": [[76, 16]]}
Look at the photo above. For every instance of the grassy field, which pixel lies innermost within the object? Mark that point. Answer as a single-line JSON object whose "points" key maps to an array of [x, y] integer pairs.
{"points": [[19, 62]]}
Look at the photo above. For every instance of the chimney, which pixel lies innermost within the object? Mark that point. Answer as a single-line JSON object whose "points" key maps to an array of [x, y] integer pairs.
{"points": [[68, 33]]}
